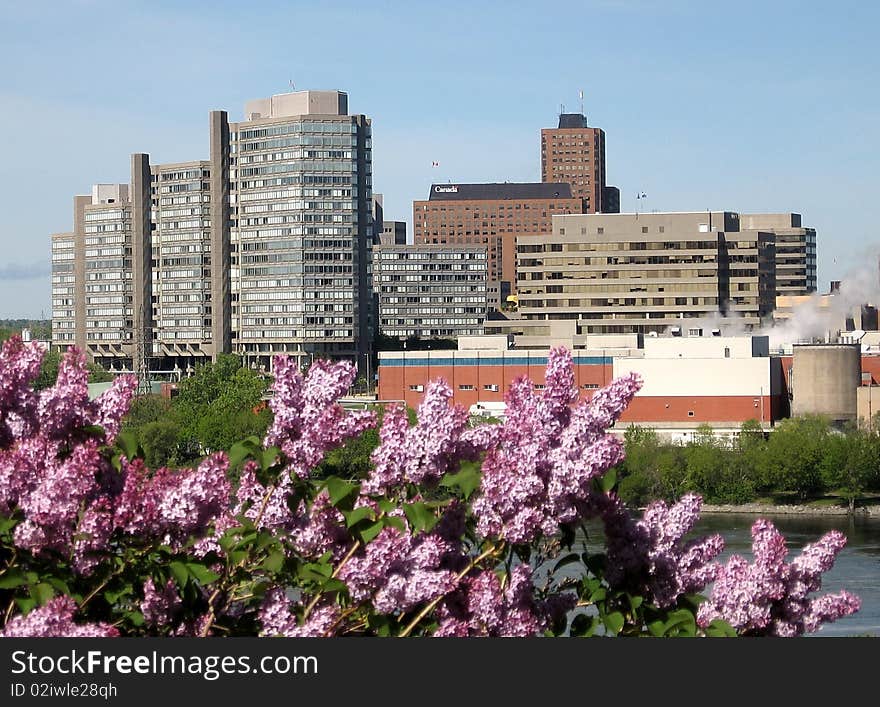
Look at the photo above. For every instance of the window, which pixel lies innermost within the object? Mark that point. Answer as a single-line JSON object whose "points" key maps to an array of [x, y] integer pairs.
{"points": [[690, 413], [492, 387], [465, 387], [644, 229], [726, 352], [600, 231], [417, 388]]}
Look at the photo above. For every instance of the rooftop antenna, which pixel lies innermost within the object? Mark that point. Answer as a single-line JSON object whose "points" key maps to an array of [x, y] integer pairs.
{"points": [[292, 87], [581, 96]]}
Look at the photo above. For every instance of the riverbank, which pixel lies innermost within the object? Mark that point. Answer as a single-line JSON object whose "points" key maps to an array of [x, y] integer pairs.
{"points": [[803, 510]]}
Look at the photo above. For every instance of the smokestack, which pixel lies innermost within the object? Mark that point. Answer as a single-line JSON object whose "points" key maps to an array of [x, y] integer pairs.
{"points": [[835, 287]]}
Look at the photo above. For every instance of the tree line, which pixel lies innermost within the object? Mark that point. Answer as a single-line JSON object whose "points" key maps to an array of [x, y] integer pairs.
{"points": [[804, 458]]}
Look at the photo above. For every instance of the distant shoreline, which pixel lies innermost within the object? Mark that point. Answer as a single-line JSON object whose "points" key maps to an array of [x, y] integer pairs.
{"points": [[758, 508]]}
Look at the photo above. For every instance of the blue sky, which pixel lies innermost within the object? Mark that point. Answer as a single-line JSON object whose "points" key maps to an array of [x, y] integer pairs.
{"points": [[747, 106]]}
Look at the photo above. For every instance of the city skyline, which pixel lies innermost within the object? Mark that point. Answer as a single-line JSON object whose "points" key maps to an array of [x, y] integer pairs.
{"points": [[786, 123]]}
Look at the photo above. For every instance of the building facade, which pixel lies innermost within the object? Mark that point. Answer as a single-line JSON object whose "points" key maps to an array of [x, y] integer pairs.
{"points": [[795, 251], [494, 216], [573, 152], [430, 291], [301, 229], [393, 233], [687, 381], [642, 273], [262, 249]]}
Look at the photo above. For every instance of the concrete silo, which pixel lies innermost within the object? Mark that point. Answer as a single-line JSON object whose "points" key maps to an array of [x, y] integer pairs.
{"points": [[825, 380]]}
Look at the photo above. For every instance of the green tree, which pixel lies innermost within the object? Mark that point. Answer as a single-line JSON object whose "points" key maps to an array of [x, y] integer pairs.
{"points": [[159, 441], [793, 457], [851, 464], [220, 404]]}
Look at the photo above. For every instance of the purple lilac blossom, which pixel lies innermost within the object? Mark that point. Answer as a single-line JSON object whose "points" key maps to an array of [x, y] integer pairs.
{"points": [[650, 557], [55, 620], [538, 475], [307, 419], [770, 597]]}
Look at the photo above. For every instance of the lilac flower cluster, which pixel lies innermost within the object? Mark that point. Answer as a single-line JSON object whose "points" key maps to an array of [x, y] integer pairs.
{"points": [[649, 556], [483, 607], [159, 607], [277, 618], [308, 421], [771, 597], [55, 620], [538, 475], [398, 571], [423, 453]]}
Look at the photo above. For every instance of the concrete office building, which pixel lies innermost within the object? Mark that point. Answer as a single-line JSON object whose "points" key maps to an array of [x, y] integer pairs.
{"points": [[182, 263], [264, 248], [573, 152], [393, 233], [642, 273], [101, 273], [495, 216], [300, 223], [795, 251], [430, 291]]}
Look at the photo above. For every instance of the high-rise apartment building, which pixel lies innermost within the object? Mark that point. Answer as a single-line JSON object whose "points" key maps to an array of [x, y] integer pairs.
{"points": [[494, 216], [641, 273], [100, 271], [300, 192], [430, 291], [573, 152], [795, 251], [264, 248], [182, 304]]}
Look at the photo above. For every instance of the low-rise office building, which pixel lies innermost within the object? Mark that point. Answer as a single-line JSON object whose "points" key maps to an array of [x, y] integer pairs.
{"points": [[430, 291]]}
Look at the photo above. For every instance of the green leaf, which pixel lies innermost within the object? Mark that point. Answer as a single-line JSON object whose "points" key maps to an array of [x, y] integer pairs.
{"points": [[656, 628], [181, 574], [340, 490], [274, 561], [127, 441], [13, 578], [334, 585], [135, 617], [386, 506], [201, 573], [608, 480], [614, 622], [420, 517], [238, 452], [467, 479], [42, 592], [598, 595], [25, 604], [583, 625], [567, 560], [719, 628], [59, 584], [7, 524], [394, 522], [357, 515], [635, 602], [269, 457], [371, 531], [681, 622]]}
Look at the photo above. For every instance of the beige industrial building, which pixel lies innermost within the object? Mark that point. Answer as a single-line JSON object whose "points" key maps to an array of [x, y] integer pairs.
{"points": [[642, 273], [262, 249]]}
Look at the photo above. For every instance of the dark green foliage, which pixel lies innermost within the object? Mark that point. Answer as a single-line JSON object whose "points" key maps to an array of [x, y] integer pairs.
{"points": [[801, 459]]}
